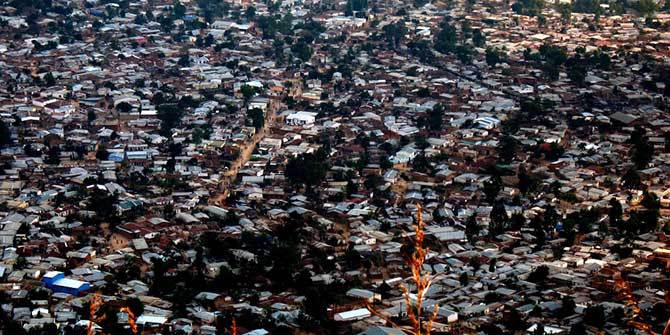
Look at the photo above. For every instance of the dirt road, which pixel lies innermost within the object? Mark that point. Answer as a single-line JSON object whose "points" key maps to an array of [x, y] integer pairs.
{"points": [[246, 150]]}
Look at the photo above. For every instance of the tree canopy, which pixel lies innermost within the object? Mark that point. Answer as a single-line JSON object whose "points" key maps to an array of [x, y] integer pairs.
{"points": [[308, 169], [5, 134], [170, 116]]}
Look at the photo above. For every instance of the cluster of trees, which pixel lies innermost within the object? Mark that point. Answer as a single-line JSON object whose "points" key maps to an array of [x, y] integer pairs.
{"points": [[495, 56], [248, 91], [528, 7], [447, 40], [201, 133], [594, 316], [212, 9], [642, 151], [257, 117], [302, 50], [278, 261], [578, 65], [300, 47], [355, 6], [549, 59], [565, 9], [530, 111], [394, 32], [581, 222], [586, 6], [201, 42], [308, 169], [661, 74], [499, 218], [271, 25], [433, 118], [644, 219], [38, 47], [5, 134], [184, 60], [646, 8], [170, 116], [422, 50], [31, 5]]}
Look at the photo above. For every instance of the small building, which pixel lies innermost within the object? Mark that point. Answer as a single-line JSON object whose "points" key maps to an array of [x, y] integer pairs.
{"points": [[56, 281], [301, 118], [353, 315]]}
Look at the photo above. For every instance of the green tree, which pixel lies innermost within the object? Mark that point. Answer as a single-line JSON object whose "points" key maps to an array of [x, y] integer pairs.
{"points": [[124, 107], [478, 38], [355, 6], [464, 279], [538, 275], [435, 117], [102, 153], [614, 212], [577, 73], [394, 32], [184, 60], [567, 307], [527, 182], [250, 13], [595, 316], [5, 134], [53, 155], [248, 91], [464, 53], [642, 152], [631, 180], [494, 57], [507, 147], [307, 168], [646, 8], [586, 6], [578, 329], [178, 9], [513, 320], [650, 201], [565, 9], [472, 228], [538, 232], [90, 115], [170, 116], [445, 41], [316, 303], [102, 203], [492, 188], [499, 218], [257, 117], [135, 305], [49, 79], [302, 50], [528, 7]]}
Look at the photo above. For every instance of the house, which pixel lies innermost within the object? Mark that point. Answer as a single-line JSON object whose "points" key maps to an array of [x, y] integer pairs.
{"points": [[301, 118], [56, 281], [623, 118], [353, 315], [366, 295], [379, 330]]}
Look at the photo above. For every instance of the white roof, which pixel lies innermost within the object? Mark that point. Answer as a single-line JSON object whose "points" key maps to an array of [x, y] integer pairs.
{"points": [[307, 116], [355, 314], [52, 274], [257, 332], [152, 319]]}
